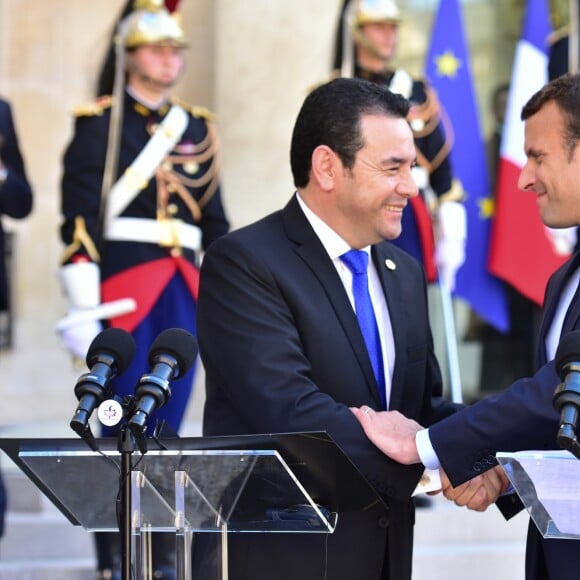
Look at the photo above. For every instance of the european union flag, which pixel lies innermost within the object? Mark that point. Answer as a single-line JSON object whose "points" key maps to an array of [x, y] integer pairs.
{"points": [[448, 70]]}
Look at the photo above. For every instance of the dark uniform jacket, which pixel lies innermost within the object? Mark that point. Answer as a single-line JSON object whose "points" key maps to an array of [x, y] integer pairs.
{"points": [[15, 191], [189, 175]]}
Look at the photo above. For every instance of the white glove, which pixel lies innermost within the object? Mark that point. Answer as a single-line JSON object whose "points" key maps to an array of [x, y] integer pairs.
{"points": [[421, 178], [451, 235], [81, 284], [77, 338]]}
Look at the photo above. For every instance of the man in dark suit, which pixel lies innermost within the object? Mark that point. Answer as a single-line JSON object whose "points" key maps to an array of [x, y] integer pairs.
{"points": [[15, 202], [522, 417], [279, 337]]}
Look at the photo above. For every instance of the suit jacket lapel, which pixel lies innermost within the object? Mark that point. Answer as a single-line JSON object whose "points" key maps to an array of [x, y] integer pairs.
{"points": [[312, 252], [573, 314], [393, 292], [553, 295]]}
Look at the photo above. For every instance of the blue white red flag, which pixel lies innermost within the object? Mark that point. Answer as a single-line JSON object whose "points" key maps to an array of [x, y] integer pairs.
{"points": [[523, 252]]}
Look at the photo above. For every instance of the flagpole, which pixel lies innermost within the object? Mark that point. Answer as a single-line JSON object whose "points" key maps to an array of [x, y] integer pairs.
{"points": [[451, 344], [573, 38]]}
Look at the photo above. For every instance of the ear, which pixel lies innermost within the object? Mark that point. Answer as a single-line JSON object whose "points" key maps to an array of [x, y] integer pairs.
{"points": [[324, 167]]}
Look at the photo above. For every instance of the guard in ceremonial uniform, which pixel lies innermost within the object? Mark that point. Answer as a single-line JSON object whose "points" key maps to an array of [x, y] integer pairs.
{"points": [[16, 201], [434, 229], [140, 201]]}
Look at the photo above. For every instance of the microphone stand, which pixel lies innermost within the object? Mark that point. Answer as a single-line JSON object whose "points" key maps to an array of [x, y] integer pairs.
{"points": [[566, 401], [126, 446]]}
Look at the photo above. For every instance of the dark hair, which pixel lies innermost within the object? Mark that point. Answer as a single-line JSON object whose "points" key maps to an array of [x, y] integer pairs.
{"points": [[565, 92], [331, 116]]}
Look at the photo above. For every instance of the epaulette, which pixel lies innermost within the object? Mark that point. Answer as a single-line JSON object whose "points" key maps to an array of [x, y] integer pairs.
{"points": [[93, 108], [195, 110], [558, 34]]}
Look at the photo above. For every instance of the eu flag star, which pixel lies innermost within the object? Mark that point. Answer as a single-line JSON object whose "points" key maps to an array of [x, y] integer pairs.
{"points": [[486, 207], [447, 64]]}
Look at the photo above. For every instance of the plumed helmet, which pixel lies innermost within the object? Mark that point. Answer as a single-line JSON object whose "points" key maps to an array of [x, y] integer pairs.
{"points": [[151, 23], [368, 11], [355, 14]]}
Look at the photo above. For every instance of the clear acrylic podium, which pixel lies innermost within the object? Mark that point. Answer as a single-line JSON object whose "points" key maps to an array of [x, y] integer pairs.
{"points": [[548, 484], [291, 483]]}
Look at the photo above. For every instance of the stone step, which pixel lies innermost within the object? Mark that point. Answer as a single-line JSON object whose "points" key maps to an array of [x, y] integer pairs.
{"points": [[39, 543], [43, 535], [49, 569], [454, 543]]}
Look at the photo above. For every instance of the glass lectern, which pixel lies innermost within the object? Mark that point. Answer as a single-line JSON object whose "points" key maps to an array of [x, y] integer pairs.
{"points": [[291, 483], [548, 484]]}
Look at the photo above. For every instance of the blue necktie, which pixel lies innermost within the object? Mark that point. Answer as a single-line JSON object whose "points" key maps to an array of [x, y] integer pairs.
{"points": [[357, 261]]}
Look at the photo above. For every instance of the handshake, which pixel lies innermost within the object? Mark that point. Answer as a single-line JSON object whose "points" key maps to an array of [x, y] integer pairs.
{"points": [[395, 435]]}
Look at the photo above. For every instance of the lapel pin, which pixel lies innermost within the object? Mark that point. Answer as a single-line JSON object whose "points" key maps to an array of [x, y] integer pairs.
{"points": [[390, 264]]}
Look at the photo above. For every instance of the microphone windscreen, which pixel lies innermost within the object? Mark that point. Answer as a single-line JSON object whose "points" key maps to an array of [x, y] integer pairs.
{"points": [[115, 342], [568, 351], [178, 343]]}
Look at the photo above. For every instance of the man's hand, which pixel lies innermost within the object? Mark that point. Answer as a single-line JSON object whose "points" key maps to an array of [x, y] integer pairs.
{"points": [[391, 432], [478, 493]]}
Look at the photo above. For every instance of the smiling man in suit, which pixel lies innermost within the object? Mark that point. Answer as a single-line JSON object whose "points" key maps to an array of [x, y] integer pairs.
{"points": [[281, 344], [523, 416]]}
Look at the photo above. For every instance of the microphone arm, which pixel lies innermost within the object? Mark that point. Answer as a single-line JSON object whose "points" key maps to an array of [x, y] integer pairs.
{"points": [[566, 401], [566, 398], [90, 389]]}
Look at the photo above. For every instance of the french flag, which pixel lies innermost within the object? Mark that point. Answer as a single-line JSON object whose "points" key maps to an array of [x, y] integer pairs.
{"points": [[522, 251]]}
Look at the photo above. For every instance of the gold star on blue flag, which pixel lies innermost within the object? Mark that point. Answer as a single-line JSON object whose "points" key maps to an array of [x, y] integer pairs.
{"points": [[447, 64]]}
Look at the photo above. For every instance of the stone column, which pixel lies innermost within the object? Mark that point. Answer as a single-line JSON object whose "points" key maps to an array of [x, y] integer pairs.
{"points": [[268, 55]]}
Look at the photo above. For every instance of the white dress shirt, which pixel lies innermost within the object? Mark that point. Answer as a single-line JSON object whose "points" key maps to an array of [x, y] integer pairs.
{"points": [[335, 246]]}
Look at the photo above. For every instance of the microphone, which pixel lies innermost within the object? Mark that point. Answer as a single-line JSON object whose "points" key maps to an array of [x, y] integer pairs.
{"points": [[171, 355], [566, 399], [109, 355]]}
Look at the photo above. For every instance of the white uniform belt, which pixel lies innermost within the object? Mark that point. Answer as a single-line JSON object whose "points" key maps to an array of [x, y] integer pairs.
{"points": [[127, 229]]}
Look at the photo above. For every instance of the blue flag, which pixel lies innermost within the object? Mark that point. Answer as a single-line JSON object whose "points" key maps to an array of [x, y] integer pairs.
{"points": [[448, 71]]}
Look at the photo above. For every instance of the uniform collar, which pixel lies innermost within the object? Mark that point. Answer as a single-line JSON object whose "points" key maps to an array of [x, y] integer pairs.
{"points": [[146, 109]]}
